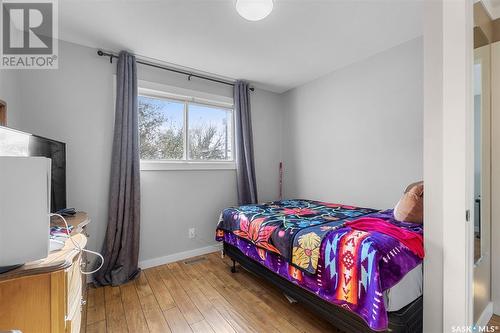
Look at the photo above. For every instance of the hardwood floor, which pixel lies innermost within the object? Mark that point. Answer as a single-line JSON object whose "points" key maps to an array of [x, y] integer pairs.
{"points": [[495, 322], [199, 296]]}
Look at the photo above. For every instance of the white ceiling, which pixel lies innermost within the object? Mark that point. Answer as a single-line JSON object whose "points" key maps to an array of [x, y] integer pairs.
{"points": [[301, 40]]}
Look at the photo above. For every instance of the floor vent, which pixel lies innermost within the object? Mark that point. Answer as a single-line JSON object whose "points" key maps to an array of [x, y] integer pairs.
{"points": [[194, 261]]}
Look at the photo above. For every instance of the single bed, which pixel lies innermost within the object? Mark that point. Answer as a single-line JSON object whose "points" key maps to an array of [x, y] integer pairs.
{"points": [[318, 254]]}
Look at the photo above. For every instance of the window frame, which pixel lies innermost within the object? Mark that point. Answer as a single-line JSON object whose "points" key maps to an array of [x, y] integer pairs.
{"points": [[186, 96]]}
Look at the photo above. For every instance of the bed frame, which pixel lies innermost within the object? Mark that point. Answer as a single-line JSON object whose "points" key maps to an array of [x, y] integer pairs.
{"points": [[409, 319]]}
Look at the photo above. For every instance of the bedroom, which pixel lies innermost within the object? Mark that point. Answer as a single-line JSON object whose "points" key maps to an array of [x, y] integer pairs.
{"points": [[347, 102]]}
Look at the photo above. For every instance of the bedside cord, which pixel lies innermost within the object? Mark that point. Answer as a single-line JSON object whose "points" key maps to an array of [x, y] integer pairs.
{"points": [[78, 248]]}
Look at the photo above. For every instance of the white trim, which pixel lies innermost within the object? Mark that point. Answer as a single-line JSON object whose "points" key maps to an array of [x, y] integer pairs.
{"points": [[495, 179], [186, 165], [186, 132], [179, 256], [448, 50], [458, 159], [189, 97], [486, 315], [166, 91]]}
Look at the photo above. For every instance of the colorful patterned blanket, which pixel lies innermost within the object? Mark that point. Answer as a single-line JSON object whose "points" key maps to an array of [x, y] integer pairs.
{"points": [[293, 229], [352, 268]]}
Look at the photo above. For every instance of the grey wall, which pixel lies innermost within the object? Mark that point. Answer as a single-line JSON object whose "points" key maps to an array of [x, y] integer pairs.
{"points": [[75, 104], [9, 91], [355, 135]]}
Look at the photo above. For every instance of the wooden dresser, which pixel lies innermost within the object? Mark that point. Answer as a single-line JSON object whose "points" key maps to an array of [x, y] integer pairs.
{"points": [[47, 296]]}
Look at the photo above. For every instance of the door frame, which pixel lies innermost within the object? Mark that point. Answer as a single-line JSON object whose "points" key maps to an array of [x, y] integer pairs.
{"points": [[448, 59]]}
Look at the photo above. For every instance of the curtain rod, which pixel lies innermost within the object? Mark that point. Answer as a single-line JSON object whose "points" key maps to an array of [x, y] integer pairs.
{"points": [[171, 69]]}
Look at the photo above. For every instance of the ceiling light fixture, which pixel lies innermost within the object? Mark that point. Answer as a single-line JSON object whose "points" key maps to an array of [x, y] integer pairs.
{"points": [[254, 10]]}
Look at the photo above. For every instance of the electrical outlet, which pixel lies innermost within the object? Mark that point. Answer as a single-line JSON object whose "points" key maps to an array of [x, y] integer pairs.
{"points": [[192, 233]]}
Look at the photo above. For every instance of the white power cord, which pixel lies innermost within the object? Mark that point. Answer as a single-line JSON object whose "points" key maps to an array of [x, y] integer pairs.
{"points": [[78, 248]]}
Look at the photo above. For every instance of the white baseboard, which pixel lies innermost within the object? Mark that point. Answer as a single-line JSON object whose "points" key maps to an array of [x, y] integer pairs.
{"points": [[179, 256], [172, 258], [485, 317]]}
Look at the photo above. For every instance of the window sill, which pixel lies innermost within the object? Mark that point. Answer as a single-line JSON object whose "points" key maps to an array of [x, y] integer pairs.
{"points": [[183, 165]]}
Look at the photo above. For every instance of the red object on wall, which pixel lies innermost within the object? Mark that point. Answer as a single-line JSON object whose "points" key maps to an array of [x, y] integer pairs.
{"points": [[281, 180]]}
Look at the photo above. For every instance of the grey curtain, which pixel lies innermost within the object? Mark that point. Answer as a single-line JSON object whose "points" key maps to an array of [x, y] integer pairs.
{"points": [[121, 244], [245, 166]]}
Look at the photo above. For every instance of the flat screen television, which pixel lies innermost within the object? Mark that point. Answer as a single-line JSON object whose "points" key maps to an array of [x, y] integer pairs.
{"points": [[17, 143]]}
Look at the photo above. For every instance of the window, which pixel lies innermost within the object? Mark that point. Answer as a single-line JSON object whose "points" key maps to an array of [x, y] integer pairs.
{"points": [[184, 129], [210, 133], [161, 129]]}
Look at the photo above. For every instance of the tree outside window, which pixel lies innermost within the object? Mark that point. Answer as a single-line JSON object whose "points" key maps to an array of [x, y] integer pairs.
{"points": [[174, 130]]}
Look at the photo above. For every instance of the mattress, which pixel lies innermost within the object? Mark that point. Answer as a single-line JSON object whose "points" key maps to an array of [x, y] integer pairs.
{"points": [[405, 291]]}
